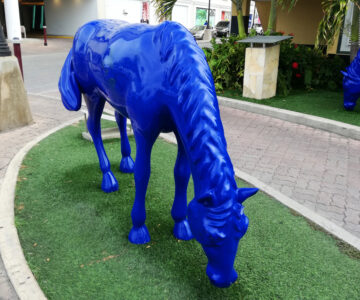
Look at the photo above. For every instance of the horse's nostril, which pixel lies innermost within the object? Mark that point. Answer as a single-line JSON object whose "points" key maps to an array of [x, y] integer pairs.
{"points": [[221, 280]]}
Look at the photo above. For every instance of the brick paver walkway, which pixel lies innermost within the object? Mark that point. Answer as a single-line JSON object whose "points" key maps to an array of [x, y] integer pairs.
{"points": [[318, 169], [47, 114]]}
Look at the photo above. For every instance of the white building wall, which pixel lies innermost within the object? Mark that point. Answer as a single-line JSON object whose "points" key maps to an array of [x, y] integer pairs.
{"points": [[217, 5], [64, 17], [126, 10]]}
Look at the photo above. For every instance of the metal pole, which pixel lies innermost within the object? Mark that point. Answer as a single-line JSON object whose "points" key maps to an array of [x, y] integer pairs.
{"points": [[208, 21], [45, 36], [17, 53], [4, 48], [44, 25]]}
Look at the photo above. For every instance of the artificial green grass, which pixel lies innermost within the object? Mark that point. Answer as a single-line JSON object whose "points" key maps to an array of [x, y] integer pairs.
{"points": [[74, 236], [321, 103]]}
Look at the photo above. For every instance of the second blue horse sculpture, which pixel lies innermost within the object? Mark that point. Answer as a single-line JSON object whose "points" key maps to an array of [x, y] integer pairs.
{"points": [[158, 77], [351, 83]]}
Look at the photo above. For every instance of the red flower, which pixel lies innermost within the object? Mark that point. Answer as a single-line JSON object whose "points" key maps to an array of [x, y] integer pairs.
{"points": [[282, 32], [291, 34], [296, 45], [295, 65], [298, 75]]}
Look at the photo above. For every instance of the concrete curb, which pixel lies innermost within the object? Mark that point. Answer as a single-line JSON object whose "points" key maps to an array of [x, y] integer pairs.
{"points": [[327, 225], [340, 128], [19, 273]]}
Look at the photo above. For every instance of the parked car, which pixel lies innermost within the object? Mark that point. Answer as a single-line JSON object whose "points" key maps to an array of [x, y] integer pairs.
{"points": [[222, 28], [198, 31], [259, 29]]}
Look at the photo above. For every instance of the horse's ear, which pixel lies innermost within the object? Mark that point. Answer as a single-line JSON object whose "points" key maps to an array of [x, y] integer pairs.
{"points": [[244, 193], [206, 199]]}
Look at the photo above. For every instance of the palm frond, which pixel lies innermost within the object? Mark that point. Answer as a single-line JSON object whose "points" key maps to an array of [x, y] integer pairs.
{"points": [[287, 3], [164, 8], [331, 23]]}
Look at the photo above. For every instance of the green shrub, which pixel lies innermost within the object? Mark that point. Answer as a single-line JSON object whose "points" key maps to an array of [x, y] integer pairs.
{"points": [[313, 69], [226, 61], [300, 66]]}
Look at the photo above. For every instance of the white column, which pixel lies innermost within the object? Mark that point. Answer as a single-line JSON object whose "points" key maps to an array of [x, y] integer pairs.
{"points": [[101, 9], [12, 17]]}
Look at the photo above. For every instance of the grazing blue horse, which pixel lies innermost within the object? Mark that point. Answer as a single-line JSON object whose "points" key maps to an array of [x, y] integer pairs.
{"points": [[351, 83], [158, 77]]}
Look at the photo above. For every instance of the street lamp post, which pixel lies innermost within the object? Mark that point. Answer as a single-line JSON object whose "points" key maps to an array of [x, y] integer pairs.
{"points": [[4, 48], [208, 20]]}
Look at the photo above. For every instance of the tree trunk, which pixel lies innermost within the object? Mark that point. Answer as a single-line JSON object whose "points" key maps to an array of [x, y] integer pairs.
{"points": [[354, 39], [242, 33], [272, 17], [240, 19]]}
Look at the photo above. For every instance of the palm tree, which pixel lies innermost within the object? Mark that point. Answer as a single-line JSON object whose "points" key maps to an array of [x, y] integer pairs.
{"points": [[240, 18], [164, 8], [332, 22]]}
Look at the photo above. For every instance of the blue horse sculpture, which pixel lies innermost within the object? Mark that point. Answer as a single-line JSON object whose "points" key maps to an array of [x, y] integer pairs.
{"points": [[158, 77], [351, 83]]}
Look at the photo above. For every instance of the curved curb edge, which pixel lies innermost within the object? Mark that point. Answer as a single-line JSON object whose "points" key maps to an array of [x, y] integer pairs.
{"points": [[344, 129], [307, 213], [327, 225], [17, 269]]}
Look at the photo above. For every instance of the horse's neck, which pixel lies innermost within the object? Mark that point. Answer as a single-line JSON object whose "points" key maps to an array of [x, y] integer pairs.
{"points": [[202, 135]]}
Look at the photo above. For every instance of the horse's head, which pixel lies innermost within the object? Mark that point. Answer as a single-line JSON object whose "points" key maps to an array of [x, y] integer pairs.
{"points": [[351, 87], [218, 229]]}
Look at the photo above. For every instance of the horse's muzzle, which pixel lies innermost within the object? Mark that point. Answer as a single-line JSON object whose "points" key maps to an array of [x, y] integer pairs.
{"points": [[220, 279]]}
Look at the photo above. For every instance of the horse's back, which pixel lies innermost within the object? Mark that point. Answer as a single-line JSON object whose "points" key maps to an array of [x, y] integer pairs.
{"points": [[131, 64]]}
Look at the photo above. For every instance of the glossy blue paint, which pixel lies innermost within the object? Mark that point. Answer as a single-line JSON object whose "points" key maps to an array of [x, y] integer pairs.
{"points": [[351, 83], [158, 77]]}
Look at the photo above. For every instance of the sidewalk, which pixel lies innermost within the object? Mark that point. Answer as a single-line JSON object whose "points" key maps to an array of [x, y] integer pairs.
{"points": [[318, 169]]}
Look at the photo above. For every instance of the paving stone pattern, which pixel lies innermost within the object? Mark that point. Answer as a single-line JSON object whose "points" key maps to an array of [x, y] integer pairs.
{"points": [[47, 113], [318, 169]]}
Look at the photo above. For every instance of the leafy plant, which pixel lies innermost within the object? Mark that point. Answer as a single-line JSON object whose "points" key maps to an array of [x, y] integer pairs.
{"points": [[300, 66], [226, 61]]}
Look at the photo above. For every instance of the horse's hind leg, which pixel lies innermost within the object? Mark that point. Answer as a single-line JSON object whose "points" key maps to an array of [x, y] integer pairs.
{"points": [[179, 210], [127, 163], [139, 233], [95, 105]]}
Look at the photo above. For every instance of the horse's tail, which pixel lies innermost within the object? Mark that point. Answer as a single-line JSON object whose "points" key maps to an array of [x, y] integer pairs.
{"points": [[68, 86]]}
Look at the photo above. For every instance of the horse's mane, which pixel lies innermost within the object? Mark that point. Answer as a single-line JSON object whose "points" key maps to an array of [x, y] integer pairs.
{"points": [[188, 73]]}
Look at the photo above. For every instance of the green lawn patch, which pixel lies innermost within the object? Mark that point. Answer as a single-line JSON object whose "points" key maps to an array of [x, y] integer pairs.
{"points": [[321, 103], [74, 236]]}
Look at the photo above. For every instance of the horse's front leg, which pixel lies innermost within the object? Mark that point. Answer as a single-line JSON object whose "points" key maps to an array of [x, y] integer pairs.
{"points": [[127, 163], [95, 105], [139, 233], [179, 209]]}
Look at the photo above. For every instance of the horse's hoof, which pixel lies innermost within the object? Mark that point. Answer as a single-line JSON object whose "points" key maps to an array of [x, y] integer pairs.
{"points": [[182, 231], [127, 165], [109, 183], [349, 107], [139, 235]]}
